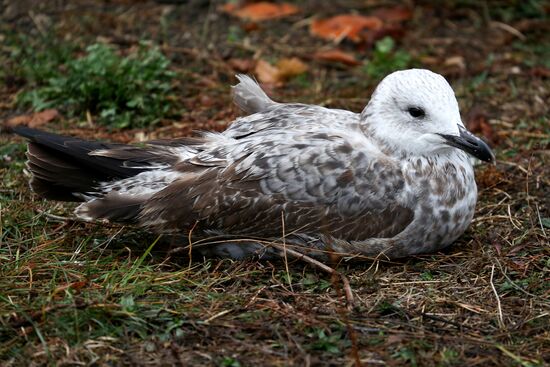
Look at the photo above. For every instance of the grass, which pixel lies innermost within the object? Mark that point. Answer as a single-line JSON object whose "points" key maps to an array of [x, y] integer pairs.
{"points": [[130, 91], [386, 59], [77, 293]]}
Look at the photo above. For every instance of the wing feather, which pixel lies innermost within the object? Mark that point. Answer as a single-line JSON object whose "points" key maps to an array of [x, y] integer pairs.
{"points": [[325, 185]]}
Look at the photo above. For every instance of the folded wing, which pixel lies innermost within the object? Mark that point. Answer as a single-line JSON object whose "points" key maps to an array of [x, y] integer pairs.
{"points": [[304, 181]]}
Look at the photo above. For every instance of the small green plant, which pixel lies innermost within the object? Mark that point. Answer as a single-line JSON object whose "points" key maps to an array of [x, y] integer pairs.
{"points": [[314, 283], [427, 275], [386, 59], [407, 355], [230, 362], [332, 343], [131, 91], [448, 357]]}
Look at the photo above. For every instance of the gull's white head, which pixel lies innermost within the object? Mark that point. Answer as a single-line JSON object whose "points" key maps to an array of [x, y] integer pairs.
{"points": [[415, 112]]}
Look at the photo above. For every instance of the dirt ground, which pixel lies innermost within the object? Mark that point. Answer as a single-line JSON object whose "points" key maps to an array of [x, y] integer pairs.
{"points": [[74, 293]]}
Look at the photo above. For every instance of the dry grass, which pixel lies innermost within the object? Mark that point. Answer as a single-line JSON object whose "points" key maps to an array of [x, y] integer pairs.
{"points": [[76, 294]]}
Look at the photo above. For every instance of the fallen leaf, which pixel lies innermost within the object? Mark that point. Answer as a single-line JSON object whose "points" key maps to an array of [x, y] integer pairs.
{"points": [[455, 61], [348, 26], [336, 55], [429, 60], [395, 339], [78, 285], [289, 68], [477, 123], [241, 65], [393, 30], [250, 27], [33, 120], [18, 120], [260, 11], [282, 71], [396, 14], [266, 72], [540, 72]]}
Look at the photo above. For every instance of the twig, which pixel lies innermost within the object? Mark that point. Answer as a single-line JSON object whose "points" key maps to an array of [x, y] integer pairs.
{"points": [[190, 241], [319, 265], [445, 321], [511, 219], [214, 240], [56, 217], [500, 318], [2, 231], [509, 29], [514, 283], [538, 215], [219, 314], [37, 24], [284, 253], [491, 217]]}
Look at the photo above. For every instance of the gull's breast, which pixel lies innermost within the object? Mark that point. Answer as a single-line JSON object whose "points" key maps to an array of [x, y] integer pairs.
{"points": [[445, 193]]}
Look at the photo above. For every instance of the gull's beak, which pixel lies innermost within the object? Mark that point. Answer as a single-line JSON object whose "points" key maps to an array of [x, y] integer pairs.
{"points": [[471, 144]]}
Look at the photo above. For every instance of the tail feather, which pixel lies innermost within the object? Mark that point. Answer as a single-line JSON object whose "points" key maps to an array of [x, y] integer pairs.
{"points": [[65, 168], [250, 97]]}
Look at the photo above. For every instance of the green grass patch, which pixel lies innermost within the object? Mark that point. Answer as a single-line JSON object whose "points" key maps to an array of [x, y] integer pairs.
{"points": [[386, 59], [119, 91]]}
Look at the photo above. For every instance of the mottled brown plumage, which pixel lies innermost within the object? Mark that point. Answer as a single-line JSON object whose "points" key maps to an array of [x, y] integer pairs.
{"points": [[388, 181]]}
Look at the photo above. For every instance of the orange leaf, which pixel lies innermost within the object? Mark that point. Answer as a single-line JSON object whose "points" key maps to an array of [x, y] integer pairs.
{"points": [[344, 26], [289, 68], [261, 11], [266, 72], [282, 71], [33, 120], [336, 55]]}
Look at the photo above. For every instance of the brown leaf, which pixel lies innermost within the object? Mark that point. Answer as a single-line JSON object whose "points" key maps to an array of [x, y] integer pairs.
{"points": [[289, 68], [477, 123], [282, 71], [393, 15], [336, 55], [455, 61], [33, 120], [540, 72], [393, 30], [348, 26], [250, 27], [266, 72], [395, 339], [260, 11], [241, 65], [78, 285]]}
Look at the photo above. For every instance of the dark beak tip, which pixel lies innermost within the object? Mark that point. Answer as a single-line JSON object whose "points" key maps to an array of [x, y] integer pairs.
{"points": [[472, 145], [486, 152]]}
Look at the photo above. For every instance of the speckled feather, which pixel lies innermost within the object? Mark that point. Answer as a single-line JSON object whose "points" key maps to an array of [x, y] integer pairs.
{"points": [[370, 183]]}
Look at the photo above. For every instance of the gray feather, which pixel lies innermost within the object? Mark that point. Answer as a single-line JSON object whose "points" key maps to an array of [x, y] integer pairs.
{"points": [[250, 97]]}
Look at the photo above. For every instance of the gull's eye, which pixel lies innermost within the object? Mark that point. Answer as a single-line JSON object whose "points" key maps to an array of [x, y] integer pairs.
{"points": [[416, 112]]}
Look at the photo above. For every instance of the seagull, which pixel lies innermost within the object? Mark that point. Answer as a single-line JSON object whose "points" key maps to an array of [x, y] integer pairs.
{"points": [[394, 180]]}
